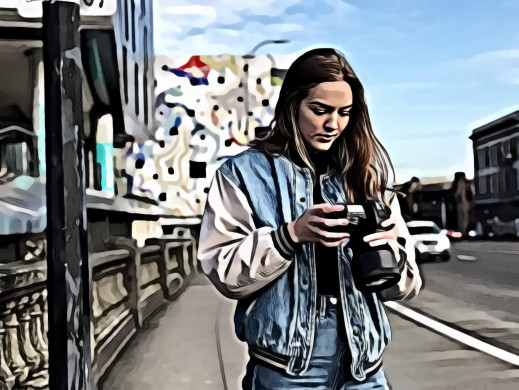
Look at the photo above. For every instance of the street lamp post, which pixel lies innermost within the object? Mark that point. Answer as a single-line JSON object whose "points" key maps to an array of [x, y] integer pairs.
{"points": [[250, 54], [246, 57]]}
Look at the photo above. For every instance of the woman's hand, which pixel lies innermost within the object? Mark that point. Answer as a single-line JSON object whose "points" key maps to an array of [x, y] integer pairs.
{"points": [[385, 237], [311, 226]]}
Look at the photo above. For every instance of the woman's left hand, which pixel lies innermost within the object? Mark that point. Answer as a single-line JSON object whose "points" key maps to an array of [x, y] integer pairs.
{"points": [[385, 237]]}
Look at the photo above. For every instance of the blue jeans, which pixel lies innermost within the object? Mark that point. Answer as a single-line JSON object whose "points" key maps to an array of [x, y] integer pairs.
{"points": [[329, 366]]}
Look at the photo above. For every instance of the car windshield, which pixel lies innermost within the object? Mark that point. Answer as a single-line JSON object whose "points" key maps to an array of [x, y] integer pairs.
{"points": [[424, 230]]}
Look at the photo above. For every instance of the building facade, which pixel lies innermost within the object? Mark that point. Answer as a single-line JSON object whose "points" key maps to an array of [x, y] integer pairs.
{"points": [[496, 175], [130, 279], [449, 203]]}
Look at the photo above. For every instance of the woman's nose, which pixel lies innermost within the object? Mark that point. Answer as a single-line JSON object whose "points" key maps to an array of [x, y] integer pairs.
{"points": [[332, 121]]}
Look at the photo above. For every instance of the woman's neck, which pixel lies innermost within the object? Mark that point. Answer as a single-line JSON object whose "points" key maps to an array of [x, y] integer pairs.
{"points": [[321, 160]]}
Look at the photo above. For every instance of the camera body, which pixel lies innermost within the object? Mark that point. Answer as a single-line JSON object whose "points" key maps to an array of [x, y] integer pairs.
{"points": [[373, 268]]}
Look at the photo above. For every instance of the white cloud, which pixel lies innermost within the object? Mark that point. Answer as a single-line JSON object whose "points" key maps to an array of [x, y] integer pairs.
{"points": [[231, 11], [212, 22], [194, 15], [225, 40], [500, 65]]}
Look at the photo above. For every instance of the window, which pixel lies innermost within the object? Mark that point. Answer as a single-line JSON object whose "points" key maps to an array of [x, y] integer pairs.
{"points": [[481, 159], [482, 185], [505, 149], [493, 156], [494, 183], [504, 180]]}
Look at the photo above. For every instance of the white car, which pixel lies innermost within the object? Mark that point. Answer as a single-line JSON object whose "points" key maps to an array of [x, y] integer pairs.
{"points": [[431, 242]]}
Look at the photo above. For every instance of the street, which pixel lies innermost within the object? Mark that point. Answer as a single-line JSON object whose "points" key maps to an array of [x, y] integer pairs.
{"points": [[191, 345], [479, 296]]}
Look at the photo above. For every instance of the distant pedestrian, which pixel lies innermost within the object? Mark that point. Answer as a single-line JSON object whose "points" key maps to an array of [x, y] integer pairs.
{"points": [[266, 240]]}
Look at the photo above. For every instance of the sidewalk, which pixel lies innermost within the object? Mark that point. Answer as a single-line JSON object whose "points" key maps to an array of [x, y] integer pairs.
{"points": [[180, 351], [179, 348]]}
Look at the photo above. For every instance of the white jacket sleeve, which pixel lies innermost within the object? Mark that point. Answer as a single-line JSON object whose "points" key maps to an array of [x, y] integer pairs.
{"points": [[238, 257], [410, 282]]}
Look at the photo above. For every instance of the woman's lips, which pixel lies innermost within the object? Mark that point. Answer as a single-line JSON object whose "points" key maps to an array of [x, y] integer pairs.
{"points": [[325, 137]]}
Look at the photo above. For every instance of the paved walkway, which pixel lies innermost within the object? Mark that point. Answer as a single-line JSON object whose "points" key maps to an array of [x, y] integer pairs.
{"points": [[191, 345], [180, 347]]}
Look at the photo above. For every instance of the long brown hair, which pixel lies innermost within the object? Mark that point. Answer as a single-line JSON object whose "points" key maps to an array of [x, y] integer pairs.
{"points": [[359, 156]]}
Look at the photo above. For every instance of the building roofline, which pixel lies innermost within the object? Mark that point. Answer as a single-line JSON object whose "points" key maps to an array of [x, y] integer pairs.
{"points": [[501, 123]]}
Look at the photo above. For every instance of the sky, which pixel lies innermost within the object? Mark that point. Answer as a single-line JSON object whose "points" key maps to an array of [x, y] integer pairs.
{"points": [[432, 70]]}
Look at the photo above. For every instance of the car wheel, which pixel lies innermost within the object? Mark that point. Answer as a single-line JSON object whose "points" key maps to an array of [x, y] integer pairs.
{"points": [[445, 256]]}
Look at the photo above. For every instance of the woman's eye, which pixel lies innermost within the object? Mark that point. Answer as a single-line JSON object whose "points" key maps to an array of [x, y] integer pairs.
{"points": [[344, 113], [319, 112]]}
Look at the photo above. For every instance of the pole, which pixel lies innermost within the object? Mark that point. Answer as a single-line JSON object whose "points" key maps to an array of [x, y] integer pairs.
{"points": [[68, 274]]}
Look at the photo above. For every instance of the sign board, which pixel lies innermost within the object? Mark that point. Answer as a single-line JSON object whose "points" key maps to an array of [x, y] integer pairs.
{"points": [[33, 8]]}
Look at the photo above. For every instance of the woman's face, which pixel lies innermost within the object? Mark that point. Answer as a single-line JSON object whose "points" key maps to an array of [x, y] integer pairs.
{"points": [[324, 114]]}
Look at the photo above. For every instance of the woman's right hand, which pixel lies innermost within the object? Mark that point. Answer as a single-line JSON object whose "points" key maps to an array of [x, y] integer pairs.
{"points": [[311, 226]]}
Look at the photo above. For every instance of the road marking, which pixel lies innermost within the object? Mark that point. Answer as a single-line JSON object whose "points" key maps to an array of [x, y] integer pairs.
{"points": [[466, 258], [454, 334]]}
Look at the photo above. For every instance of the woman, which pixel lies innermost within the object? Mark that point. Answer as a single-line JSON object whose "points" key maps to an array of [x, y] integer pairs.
{"points": [[266, 240]]}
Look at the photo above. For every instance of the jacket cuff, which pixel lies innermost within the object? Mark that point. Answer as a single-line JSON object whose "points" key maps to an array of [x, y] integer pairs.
{"points": [[283, 242]]}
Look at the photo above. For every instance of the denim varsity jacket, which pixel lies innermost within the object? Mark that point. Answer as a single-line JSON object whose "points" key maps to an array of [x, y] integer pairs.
{"points": [[244, 251]]}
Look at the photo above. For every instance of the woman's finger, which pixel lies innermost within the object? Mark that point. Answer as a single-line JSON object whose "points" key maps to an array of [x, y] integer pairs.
{"points": [[388, 222], [389, 235], [378, 242], [324, 234], [331, 244], [332, 222], [332, 235], [325, 208]]}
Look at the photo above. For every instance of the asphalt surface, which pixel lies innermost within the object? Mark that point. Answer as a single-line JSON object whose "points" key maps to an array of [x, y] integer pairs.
{"points": [[191, 345], [477, 291]]}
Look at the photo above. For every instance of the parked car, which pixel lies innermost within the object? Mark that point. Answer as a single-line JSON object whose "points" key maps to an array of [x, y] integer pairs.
{"points": [[431, 242]]}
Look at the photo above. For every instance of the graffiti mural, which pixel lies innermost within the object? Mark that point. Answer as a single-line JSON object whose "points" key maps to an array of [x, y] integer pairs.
{"points": [[207, 109]]}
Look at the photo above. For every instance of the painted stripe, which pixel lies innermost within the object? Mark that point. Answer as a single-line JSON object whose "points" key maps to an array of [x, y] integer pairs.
{"points": [[284, 231], [454, 334], [278, 242], [281, 241], [291, 242]]}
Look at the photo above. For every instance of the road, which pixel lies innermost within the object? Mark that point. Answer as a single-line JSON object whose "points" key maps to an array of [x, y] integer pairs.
{"points": [[478, 294], [190, 344]]}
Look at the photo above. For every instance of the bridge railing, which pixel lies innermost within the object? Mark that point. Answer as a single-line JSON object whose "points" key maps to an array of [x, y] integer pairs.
{"points": [[129, 284]]}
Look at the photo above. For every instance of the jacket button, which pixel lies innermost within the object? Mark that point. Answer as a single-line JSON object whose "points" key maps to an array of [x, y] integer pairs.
{"points": [[303, 325], [356, 332], [305, 282], [302, 199]]}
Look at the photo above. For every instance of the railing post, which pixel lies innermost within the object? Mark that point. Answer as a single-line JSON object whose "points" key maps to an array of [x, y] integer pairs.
{"points": [[69, 274]]}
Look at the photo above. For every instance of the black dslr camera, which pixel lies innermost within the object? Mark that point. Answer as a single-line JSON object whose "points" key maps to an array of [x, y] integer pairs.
{"points": [[373, 268]]}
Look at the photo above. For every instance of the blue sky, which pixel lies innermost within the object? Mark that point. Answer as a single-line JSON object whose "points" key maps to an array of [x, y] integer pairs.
{"points": [[432, 70]]}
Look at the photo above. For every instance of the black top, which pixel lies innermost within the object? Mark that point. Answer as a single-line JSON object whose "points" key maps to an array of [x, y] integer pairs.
{"points": [[326, 260]]}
